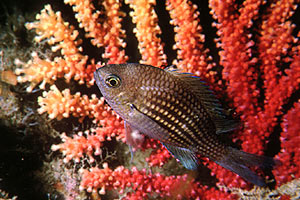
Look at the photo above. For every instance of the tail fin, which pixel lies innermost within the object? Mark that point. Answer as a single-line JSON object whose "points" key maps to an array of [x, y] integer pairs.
{"points": [[237, 162]]}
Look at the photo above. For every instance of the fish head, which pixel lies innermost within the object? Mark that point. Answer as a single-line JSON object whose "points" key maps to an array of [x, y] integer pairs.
{"points": [[117, 83]]}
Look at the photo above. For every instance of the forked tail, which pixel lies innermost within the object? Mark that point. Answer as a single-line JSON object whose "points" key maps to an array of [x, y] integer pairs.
{"points": [[238, 162]]}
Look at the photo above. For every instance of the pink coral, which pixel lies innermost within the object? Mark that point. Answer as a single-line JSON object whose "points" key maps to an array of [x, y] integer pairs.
{"points": [[145, 184]]}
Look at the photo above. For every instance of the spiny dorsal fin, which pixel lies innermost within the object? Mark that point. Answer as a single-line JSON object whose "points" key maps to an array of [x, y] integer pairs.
{"points": [[207, 98]]}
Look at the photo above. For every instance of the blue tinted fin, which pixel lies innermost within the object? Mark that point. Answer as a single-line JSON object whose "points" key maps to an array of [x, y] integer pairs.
{"points": [[187, 157], [171, 68], [207, 98]]}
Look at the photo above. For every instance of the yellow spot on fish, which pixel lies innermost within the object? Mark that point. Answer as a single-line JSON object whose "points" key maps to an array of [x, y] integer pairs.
{"points": [[145, 111]]}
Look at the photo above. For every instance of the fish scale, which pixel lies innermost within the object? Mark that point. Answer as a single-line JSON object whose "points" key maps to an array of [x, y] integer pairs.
{"points": [[177, 109], [167, 123], [190, 137]]}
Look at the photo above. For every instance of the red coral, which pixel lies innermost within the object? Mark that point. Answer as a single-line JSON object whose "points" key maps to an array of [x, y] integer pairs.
{"points": [[143, 184], [290, 152], [158, 157]]}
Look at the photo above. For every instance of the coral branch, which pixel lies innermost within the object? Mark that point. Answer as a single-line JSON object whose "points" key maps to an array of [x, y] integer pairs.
{"points": [[51, 27], [158, 157], [192, 56], [63, 104], [146, 31], [87, 143], [290, 152], [108, 33], [143, 184], [115, 33]]}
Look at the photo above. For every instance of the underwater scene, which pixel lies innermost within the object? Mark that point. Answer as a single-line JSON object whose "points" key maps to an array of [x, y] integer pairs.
{"points": [[149, 99]]}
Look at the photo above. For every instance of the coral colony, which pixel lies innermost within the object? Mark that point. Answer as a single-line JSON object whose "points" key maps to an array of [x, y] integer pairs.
{"points": [[260, 70]]}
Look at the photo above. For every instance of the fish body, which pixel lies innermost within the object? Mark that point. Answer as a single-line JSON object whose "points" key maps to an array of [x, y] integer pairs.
{"points": [[177, 109]]}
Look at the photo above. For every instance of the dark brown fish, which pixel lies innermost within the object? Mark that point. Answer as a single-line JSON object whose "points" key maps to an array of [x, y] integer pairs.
{"points": [[177, 109]]}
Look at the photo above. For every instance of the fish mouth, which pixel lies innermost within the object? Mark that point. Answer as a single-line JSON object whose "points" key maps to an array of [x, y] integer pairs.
{"points": [[97, 77]]}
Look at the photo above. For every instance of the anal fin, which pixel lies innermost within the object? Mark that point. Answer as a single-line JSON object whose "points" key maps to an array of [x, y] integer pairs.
{"points": [[186, 157]]}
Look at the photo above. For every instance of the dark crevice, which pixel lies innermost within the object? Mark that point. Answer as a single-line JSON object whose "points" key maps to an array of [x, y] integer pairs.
{"points": [[296, 20], [290, 102], [68, 15], [204, 176], [273, 146], [21, 154], [167, 36], [131, 48], [210, 32]]}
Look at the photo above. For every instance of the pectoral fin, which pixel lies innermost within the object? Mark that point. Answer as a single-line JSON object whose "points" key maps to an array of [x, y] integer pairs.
{"points": [[134, 138], [187, 157]]}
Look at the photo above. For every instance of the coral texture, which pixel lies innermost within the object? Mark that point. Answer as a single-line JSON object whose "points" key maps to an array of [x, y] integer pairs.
{"points": [[256, 71]]}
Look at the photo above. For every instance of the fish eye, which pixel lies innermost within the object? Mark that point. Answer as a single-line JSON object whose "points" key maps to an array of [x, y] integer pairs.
{"points": [[113, 81]]}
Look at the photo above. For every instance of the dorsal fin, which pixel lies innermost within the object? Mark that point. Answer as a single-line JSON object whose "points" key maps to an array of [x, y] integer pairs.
{"points": [[207, 98]]}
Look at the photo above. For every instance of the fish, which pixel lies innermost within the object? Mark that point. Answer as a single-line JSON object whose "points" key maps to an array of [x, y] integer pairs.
{"points": [[179, 110]]}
